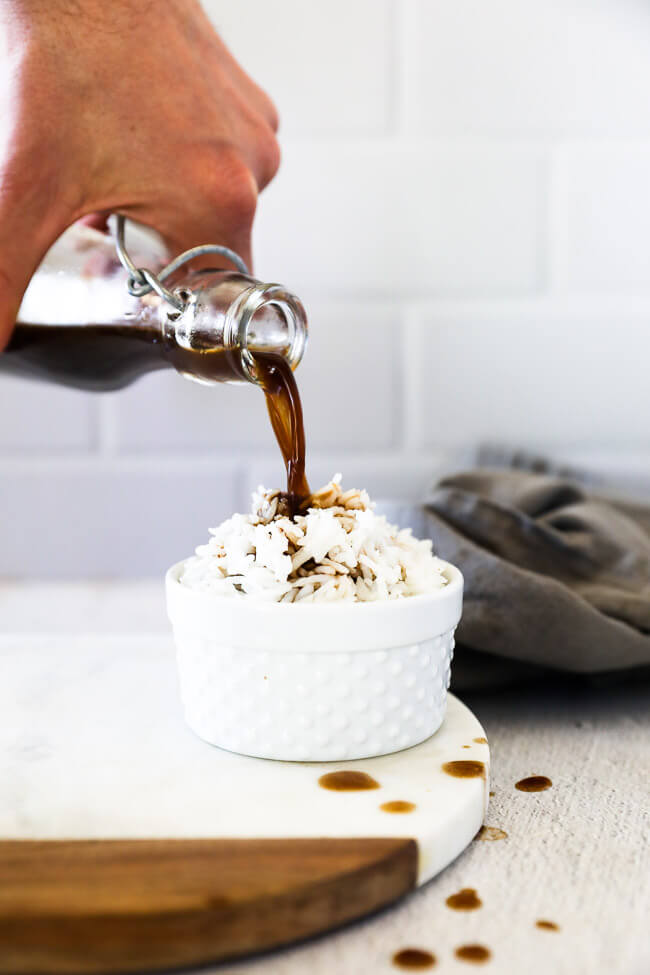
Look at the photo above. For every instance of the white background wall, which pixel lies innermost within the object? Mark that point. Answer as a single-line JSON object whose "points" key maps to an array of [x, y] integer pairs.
{"points": [[464, 207]]}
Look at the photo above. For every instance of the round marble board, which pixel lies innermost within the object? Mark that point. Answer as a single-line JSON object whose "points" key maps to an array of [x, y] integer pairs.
{"points": [[128, 844]]}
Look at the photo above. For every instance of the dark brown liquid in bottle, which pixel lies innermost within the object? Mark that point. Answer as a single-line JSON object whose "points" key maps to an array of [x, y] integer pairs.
{"points": [[107, 357], [98, 358]]}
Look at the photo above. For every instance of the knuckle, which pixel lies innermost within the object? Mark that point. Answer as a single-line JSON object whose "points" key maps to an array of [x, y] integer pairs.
{"points": [[270, 156], [272, 113], [232, 185]]}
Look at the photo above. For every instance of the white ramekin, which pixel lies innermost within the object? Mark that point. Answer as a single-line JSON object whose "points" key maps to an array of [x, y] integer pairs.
{"points": [[314, 683]]}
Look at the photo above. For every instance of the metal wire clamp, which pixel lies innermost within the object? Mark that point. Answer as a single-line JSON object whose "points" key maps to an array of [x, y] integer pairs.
{"points": [[142, 281]]}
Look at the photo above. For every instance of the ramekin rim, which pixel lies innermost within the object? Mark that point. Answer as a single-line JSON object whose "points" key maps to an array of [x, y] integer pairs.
{"points": [[454, 584]]}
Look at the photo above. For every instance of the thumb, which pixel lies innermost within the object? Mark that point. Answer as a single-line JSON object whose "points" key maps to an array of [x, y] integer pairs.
{"points": [[29, 225]]}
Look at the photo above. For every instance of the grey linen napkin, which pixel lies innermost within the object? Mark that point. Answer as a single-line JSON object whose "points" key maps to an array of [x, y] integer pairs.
{"points": [[556, 576]]}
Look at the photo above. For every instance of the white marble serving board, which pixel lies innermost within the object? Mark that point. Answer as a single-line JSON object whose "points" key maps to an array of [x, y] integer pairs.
{"points": [[93, 744]]}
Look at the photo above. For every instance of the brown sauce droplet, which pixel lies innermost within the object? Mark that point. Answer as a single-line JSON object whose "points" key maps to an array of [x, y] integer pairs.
{"points": [[481, 741], [467, 746], [348, 781], [397, 806], [414, 958], [473, 953], [534, 783], [465, 900], [492, 793], [491, 834], [547, 925], [465, 769]]}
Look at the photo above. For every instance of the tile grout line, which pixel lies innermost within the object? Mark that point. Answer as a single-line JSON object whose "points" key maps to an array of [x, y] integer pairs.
{"points": [[452, 142], [411, 392]]}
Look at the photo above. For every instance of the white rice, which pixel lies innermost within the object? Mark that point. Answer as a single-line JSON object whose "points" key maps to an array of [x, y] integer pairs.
{"points": [[340, 550]]}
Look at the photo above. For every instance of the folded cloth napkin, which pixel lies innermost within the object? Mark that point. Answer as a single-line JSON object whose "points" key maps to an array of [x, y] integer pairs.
{"points": [[555, 575]]}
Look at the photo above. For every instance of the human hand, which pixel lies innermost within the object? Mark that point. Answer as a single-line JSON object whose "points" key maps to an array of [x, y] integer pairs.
{"points": [[124, 107]]}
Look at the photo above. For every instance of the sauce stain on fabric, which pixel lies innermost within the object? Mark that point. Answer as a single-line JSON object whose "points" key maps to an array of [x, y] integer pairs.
{"points": [[414, 958], [348, 781], [547, 925], [534, 783], [491, 834], [465, 769], [465, 900], [474, 953]]}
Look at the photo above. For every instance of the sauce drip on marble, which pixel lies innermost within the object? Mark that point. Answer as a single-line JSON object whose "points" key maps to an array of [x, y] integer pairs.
{"points": [[397, 806], [465, 769], [348, 781]]}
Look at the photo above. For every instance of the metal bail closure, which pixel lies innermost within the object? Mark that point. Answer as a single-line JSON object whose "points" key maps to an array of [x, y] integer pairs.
{"points": [[142, 281]]}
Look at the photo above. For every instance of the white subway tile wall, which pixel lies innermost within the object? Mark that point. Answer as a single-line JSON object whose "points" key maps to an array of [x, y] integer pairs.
{"points": [[409, 219], [607, 200], [553, 383], [35, 417], [464, 207], [519, 68], [109, 518], [329, 67]]}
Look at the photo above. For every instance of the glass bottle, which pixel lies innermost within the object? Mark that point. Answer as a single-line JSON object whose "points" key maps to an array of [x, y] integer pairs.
{"points": [[79, 326]]}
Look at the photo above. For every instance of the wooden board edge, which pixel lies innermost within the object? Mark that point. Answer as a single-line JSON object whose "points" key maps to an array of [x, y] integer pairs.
{"points": [[48, 942]]}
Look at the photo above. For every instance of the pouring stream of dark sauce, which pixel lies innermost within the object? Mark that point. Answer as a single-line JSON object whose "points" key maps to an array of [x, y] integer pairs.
{"points": [[285, 411]]}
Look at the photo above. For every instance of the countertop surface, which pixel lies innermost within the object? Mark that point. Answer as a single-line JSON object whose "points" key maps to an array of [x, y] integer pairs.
{"points": [[577, 854]]}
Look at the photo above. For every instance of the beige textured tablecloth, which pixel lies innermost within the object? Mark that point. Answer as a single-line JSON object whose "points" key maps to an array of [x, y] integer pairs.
{"points": [[577, 854]]}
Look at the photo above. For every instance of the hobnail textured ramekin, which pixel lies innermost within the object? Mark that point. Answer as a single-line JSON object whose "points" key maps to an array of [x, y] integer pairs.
{"points": [[314, 683]]}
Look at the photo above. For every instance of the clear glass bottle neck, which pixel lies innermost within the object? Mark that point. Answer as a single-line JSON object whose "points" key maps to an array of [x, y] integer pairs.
{"points": [[231, 315]]}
